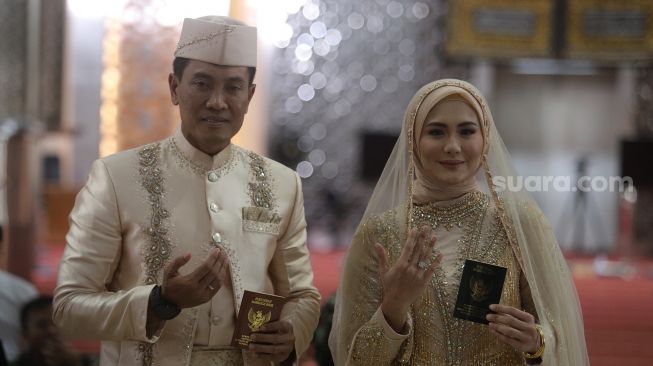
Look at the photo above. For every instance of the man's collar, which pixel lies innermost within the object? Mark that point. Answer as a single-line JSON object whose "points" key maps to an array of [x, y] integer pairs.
{"points": [[199, 158]]}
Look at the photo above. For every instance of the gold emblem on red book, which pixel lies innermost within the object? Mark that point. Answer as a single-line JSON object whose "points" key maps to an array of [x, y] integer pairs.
{"points": [[257, 319]]}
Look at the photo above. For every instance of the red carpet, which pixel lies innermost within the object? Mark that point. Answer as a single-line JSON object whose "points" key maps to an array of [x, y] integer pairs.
{"points": [[618, 316], [618, 313]]}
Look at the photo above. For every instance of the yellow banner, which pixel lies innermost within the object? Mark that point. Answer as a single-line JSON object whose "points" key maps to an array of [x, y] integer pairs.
{"points": [[610, 29], [500, 28]]}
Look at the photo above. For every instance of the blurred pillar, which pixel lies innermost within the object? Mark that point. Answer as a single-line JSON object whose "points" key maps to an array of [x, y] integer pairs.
{"points": [[482, 75], [20, 205], [644, 102], [238, 10], [253, 134], [21, 182], [644, 133]]}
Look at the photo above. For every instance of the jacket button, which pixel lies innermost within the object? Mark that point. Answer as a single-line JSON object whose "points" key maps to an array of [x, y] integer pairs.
{"points": [[213, 207], [213, 177], [217, 238], [215, 320]]}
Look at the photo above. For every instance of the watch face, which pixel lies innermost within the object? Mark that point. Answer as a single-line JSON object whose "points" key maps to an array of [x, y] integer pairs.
{"points": [[166, 312], [162, 308]]}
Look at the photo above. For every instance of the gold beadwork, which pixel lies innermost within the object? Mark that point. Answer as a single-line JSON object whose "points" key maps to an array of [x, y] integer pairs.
{"points": [[261, 220], [451, 215], [221, 357], [145, 350], [260, 189], [206, 38], [186, 163], [261, 227], [367, 339], [158, 250], [188, 331], [234, 266]]}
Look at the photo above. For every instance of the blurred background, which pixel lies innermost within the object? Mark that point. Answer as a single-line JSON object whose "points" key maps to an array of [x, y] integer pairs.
{"points": [[569, 82]]}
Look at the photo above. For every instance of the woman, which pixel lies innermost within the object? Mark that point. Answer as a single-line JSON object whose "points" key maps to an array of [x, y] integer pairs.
{"points": [[427, 215]]}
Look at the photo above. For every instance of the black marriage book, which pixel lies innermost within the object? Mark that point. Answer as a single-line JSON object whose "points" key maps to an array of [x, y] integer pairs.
{"points": [[480, 286], [256, 310]]}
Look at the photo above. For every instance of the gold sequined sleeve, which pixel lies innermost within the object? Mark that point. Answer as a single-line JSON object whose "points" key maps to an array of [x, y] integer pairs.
{"points": [[364, 331], [83, 306]]}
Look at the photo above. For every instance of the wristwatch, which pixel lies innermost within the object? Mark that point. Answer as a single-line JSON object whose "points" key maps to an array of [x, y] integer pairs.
{"points": [[163, 309]]}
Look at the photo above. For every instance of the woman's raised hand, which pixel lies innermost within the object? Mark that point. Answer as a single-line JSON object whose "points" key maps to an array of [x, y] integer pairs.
{"points": [[404, 282]]}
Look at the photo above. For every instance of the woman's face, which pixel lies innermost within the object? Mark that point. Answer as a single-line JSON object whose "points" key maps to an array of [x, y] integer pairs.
{"points": [[451, 143]]}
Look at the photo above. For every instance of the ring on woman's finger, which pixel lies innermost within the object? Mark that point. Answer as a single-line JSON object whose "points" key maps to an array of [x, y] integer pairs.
{"points": [[422, 265]]}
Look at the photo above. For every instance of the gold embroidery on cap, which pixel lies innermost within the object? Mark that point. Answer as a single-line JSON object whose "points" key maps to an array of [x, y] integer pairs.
{"points": [[206, 38]]}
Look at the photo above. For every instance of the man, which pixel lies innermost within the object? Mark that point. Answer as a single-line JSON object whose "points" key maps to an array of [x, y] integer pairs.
{"points": [[165, 238], [44, 345], [14, 293]]}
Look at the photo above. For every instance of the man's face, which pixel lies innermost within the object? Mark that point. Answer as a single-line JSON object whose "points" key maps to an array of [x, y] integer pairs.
{"points": [[212, 101]]}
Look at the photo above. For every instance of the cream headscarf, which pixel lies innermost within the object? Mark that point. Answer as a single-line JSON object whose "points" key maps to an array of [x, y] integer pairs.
{"points": [[530, 235]]}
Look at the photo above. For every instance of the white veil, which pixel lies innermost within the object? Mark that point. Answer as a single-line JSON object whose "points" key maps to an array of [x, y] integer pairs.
{"points": [[529, 232]]}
